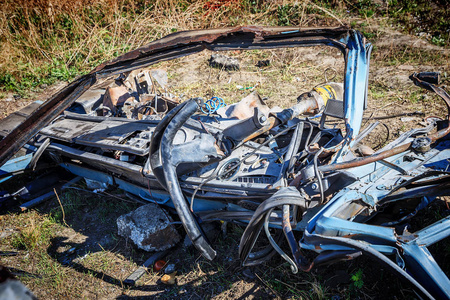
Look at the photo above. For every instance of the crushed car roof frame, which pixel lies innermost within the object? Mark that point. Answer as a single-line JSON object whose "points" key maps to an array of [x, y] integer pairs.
{"points": [[351, 43], [339, 228]]}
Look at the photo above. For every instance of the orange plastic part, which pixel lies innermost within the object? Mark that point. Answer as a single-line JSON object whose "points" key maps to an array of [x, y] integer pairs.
{"points": [[159, 264]]}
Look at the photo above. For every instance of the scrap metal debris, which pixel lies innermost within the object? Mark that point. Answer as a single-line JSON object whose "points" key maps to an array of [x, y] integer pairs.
{"points": [[319, 96], [244, 109], [246, 163], [263, 63], [224, 62], [11, 288], [134, 277]]}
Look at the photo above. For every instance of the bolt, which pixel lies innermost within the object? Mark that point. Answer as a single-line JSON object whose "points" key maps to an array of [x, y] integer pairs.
{"points": [[314, 186], [262, 119]]}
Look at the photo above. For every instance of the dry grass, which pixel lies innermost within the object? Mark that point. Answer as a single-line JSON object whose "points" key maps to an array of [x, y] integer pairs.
{"points": [[43, 41], [34, 234], [291, 72]]}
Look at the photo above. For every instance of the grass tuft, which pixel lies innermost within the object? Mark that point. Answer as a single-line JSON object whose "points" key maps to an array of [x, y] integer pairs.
{"points": [[35, 233]]}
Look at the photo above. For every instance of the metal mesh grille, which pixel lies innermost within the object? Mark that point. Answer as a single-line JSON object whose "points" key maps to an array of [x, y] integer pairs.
{"points": [[334, 108]]}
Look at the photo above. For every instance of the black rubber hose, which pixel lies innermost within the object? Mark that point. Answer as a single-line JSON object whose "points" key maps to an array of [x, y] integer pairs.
{"points": [[287, 230], [285, 196], [290, 168], [154, 162], [293, 148], [193, 230], [38, 154], [286, 257]]}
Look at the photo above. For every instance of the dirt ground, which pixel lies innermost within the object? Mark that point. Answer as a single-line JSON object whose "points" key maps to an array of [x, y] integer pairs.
{"points": [[78, 254]]}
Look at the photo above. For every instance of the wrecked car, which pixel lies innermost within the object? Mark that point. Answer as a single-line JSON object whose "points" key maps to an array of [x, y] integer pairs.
{"points": [[276, 172]]}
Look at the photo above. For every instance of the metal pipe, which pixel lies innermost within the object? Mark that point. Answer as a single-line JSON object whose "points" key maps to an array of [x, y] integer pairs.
{"points": [[366, 160], [286, 115]]}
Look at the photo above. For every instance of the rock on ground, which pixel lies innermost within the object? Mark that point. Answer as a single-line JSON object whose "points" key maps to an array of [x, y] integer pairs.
{"points": [[149, 228]]}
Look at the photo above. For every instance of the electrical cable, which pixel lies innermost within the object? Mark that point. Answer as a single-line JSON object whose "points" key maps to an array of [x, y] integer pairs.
{"points": [[285, 196], [299, 141], [33, 162], [309, 134], [380, 145], [277, 248]]}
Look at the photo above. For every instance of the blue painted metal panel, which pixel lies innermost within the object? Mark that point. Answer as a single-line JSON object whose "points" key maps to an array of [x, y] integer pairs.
{"points": [[155, 196], [426, 270], [434, 233], [15, 165]]}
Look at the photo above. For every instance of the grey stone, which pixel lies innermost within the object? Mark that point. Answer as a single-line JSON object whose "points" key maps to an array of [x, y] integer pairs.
{"points": [[14, 289], [149, 228], [170, 269]]}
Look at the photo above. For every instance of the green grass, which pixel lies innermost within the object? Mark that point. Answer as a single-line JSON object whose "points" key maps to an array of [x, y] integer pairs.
{"points": [[34, 236], [357, 279], [35, 233], [52, 272], [75, 201]]}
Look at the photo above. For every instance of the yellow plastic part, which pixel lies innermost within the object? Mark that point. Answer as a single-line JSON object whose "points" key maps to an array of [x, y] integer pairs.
{"points": [[169, 279], [326, 91]]}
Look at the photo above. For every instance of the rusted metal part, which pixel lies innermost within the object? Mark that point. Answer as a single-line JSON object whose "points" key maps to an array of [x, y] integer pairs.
{"points": [[364, 161], [306, 106], [245, 108], [115, 96], [236, 37]]}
